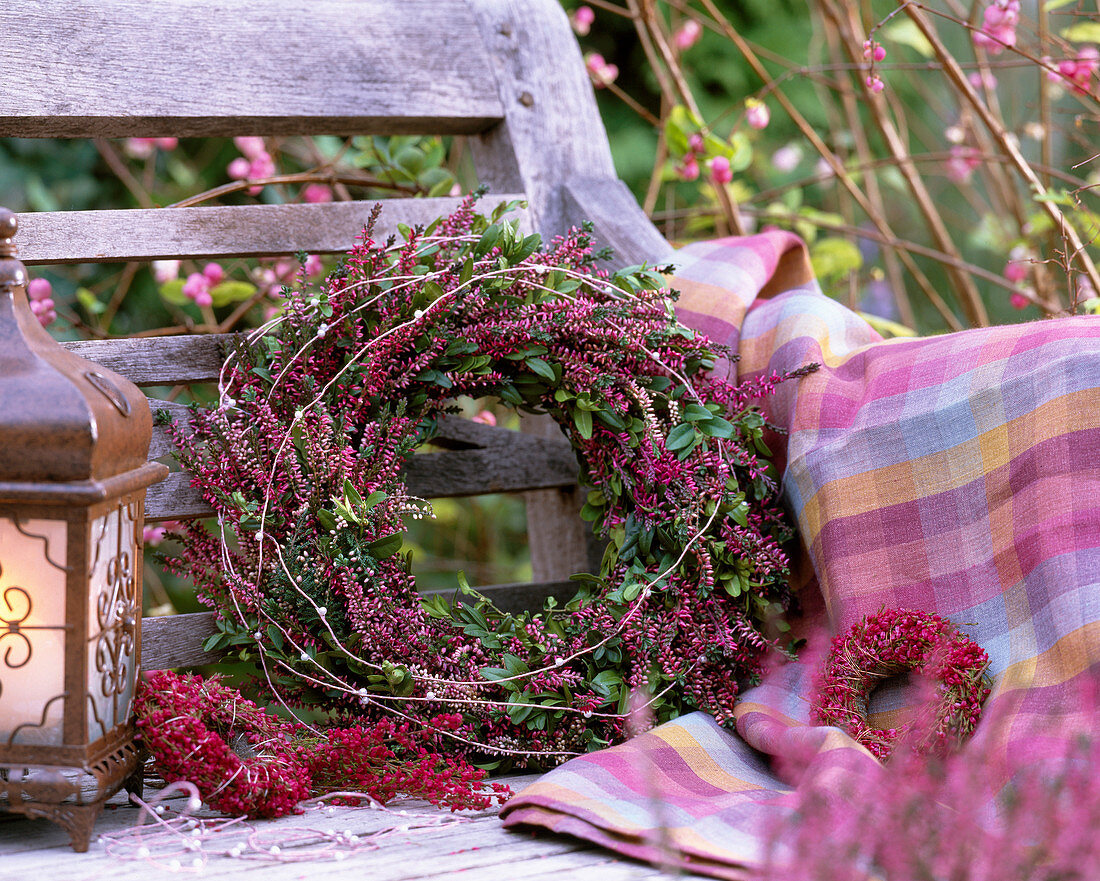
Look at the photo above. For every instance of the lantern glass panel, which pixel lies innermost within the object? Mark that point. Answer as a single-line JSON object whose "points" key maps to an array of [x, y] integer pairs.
{"points": [[112, 614], [32, 630]]}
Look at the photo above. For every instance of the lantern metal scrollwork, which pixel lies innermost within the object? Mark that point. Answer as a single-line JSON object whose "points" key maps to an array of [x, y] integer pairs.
{"points": [[74, 438]]}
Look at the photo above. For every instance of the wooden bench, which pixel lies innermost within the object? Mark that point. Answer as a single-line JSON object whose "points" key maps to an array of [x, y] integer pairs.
{"points": [[506, 74]]}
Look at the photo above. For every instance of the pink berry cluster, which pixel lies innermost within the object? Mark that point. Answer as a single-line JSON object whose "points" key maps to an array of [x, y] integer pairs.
{"points": [[998, 28], [255, 163], [304, 462], [874, 52], [199, 285], [1079, 71], [144, 148], [721, 173], [248, 762], [40, 297], [892, 642]]}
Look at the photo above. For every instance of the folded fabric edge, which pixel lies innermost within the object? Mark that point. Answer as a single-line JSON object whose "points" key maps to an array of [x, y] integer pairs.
{"points": [[654, 851]]}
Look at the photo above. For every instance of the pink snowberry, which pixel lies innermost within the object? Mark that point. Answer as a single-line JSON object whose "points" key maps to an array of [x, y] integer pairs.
{"points": [[316, 193], [757, 114], [1018, 300], [689, 33], [696, 143], [250, 147], [998, 28], [166, 270], [40, 296], [873, 51], [720, 171], [600, 72], [197, 288], [688, 169], [1016, 271], [874, 83], [582, 19], [213, 273]]}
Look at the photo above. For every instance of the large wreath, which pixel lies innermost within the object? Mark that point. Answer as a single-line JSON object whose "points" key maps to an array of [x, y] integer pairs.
{"points": [[302, 460]]}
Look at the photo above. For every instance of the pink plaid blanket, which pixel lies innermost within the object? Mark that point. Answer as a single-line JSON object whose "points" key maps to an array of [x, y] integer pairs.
{"points": [[957, 474]]}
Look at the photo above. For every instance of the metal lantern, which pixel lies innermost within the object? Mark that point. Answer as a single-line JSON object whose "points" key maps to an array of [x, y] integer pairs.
{"points": [[74, 438]]}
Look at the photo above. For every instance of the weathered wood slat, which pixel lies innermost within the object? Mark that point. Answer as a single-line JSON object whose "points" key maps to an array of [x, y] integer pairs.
{"points": [[168, 360], [209, 68], [169, 641], [218, 232]]}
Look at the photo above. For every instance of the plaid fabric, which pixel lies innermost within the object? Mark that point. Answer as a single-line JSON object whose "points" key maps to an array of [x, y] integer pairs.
{"points": [[957, 474]]}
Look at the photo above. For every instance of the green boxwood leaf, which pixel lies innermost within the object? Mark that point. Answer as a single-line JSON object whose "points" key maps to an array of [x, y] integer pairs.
{"points": [[680, 437]]}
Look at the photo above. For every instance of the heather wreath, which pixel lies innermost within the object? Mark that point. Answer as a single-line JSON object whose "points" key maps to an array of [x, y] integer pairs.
{"points": [[302, 461], [893, 642]]}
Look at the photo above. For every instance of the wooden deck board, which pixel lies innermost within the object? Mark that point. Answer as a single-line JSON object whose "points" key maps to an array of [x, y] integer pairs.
{"points": [[476, 848]]}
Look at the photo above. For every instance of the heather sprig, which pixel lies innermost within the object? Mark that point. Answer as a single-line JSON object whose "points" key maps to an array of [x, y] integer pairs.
{"points": [[302, 461]]}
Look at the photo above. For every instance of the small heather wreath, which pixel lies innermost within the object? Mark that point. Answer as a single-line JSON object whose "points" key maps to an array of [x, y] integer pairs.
{"points": [[319, 411], [893, 642], [247, 762]]}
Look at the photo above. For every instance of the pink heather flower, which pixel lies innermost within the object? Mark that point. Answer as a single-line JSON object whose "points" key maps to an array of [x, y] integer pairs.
{"points": [[998, 28], [874, 83], [962, 163], [720, 171], [40, 296], [757, 114], [213, 273], [197, 288], [153, 535], [313, 266], [582, 19], [316, 193], [1016, 271], [1018, 300], [873, 51], [688, 34], [485, 417], [696, 143], [688, 169], [250, 147], [166, 270], [599, 71]]}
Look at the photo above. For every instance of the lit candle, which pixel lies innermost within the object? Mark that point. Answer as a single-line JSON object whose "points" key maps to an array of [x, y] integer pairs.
{"points": [[32, 630]]}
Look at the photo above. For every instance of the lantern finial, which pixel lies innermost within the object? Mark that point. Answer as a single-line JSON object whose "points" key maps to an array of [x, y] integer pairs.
{"points": [[12, 271]]}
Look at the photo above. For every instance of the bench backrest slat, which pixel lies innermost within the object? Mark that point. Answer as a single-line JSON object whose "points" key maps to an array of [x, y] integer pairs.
{"points": [[212, 68], [218, 232]]}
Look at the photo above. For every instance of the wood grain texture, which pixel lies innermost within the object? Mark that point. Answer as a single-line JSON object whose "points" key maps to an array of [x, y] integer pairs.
{"points": [[552, 129], [168, 360], [472, 846], [118, 68], [170, 641], [217, 232]]}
